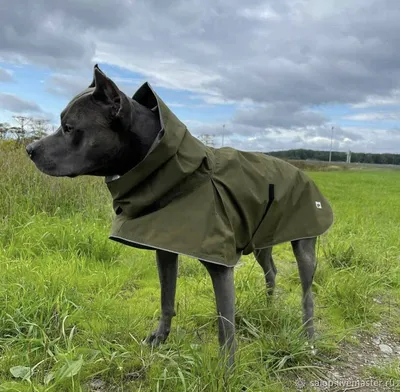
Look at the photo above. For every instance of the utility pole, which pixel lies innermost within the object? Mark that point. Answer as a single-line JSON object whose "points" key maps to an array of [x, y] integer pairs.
{"points": [[223, 134], [348, 158], [330, 151]]}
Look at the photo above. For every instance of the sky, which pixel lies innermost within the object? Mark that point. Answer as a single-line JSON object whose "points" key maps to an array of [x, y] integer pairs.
{"points": [[258, 75]]}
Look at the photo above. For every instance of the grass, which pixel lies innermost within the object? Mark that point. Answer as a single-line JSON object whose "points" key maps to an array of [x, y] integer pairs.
{"points": [[75, 306]]}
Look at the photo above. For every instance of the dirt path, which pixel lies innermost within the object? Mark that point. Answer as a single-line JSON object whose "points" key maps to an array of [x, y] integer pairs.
{"points": [[350, 372]]}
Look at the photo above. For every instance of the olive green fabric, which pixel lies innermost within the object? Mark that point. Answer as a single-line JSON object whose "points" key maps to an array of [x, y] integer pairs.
{"points": [[212, 204]]}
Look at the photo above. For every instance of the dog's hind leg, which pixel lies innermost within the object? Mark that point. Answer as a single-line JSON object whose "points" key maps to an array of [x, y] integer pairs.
{"points": [[264, 258], [167, 264], [304, 250], [222, 280]]}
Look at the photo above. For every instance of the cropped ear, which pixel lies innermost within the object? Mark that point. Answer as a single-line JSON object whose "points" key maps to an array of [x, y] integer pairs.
{"points": [[93, 84], [106, 91]]}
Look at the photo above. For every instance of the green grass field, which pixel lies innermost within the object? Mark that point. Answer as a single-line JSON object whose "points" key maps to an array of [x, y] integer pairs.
{"points": [[74, 306]]}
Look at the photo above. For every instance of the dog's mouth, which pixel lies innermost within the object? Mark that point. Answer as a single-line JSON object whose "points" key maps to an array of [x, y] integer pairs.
{"points": [[51, 169]]}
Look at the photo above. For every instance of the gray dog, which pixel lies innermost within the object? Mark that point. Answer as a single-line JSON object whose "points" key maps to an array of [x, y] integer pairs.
{"points": [[176, 196]]}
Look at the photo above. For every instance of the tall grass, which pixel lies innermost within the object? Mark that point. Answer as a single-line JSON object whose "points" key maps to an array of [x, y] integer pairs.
{"points": [[75, 306]]}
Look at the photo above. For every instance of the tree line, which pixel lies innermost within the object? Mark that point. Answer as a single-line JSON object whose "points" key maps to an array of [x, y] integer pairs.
{"points": [[356, 157], [26, 130]]}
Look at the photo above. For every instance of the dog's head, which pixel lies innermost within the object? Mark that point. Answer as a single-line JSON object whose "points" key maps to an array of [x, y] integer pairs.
{"points": [[94, 128]]}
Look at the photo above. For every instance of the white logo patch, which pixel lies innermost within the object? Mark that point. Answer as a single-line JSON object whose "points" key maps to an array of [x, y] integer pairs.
{"points": [[318, 204]]}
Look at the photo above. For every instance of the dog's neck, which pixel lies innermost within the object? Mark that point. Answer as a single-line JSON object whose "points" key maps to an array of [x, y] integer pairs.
{"points": [[144, 126]]}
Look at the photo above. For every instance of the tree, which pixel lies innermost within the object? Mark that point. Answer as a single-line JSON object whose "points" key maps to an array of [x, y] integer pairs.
{"points": [[21, 132], [4, 130], [27, 130], [337, 156], [7, 131], [39, 128]]}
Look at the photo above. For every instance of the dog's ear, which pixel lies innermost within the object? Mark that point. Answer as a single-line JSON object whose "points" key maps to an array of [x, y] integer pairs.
{"points": [[93, 84], [106, 91]]}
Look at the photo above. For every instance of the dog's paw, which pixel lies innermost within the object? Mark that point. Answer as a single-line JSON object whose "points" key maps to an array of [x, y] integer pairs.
{"points": [[156, 338]]}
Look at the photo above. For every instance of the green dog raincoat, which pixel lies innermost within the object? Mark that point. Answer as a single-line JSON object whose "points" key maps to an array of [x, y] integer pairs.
{"points": [[212, 204]]}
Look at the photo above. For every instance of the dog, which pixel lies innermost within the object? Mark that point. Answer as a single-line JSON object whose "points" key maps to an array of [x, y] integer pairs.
{"points": [[105, 133]]}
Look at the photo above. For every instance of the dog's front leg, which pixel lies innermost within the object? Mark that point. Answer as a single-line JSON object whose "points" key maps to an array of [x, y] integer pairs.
{"points": [[222, 280], [167, 264]]}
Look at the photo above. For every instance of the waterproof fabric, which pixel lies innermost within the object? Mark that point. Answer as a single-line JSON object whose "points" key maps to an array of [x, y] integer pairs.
{"points": [[212, 204]]}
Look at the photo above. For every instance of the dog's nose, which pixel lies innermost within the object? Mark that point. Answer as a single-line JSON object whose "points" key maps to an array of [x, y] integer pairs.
{"points": [[30, 150]]}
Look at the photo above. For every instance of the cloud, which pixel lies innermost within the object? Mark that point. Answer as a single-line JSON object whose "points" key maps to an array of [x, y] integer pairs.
{"points": [[373, 116], [262, 12], [57, 33], [279, 115], [378, 101], [15, 104], [66, 85], [216, 129], [339, 134], [5, 75]]}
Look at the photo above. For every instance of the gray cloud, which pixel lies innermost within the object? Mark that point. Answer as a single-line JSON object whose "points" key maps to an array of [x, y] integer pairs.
{"points": [[57, 33], [15, 104], [5, 76], [338, 134], [280, 115], [374, 116], [66, 85]]}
